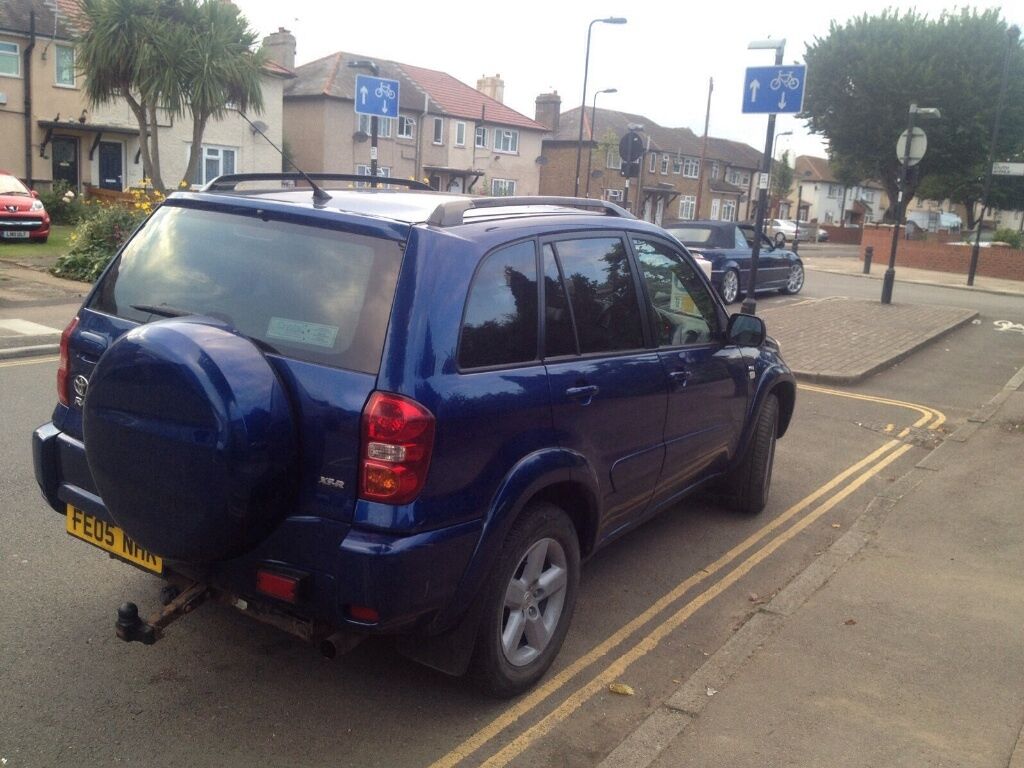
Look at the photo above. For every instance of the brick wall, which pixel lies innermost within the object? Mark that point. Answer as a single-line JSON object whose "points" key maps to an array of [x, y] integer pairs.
{"points": [[934, 254], [844, 235]]}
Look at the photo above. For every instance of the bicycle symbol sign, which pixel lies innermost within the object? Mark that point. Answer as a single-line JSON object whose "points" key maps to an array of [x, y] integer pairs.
{"points": [[376, 96], [778, 90]]}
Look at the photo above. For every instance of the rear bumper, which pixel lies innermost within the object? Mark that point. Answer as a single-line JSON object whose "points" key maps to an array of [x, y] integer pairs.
{"points": [[406, 579]]}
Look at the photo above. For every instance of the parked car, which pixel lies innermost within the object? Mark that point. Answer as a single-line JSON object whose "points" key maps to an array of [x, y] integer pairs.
{"points": [[22, 215], [398, 412], [822, 235], [728, 246], [782, 231]]}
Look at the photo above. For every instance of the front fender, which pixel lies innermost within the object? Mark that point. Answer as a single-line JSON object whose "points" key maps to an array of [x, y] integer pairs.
{"points": [[529, 477], [772, 376]]}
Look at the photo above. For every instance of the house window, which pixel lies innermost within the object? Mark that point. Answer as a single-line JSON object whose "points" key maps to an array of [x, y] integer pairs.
{"points": [[503, 187], [506, 140], [691, 167], [460, 134], [385, 125], [406, 127], [481, 137], [739, 178], [677, 166], [665, 160], [614, 195], [10, 59], [729, 210], [687, 207], [65, 66], [715, 170], [833, 190], [716, 204], [438, 130], [214, 162], [383, 171], [654, 163], [612, 159]]}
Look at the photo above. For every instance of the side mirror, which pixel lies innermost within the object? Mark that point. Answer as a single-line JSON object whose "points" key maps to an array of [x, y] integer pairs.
{"points": [[746, 331], [780, 240], [35, 194]]}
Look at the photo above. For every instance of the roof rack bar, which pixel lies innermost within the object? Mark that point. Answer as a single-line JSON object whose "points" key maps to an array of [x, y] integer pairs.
{"points": [[451, 213], [229, 181]]}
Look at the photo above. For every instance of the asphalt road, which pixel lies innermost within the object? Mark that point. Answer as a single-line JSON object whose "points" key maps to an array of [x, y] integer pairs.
{"points": [[220, 690]]}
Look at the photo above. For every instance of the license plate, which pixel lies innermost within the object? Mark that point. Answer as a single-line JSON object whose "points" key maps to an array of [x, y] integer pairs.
{"points": [[112, 539], [16, 235]]}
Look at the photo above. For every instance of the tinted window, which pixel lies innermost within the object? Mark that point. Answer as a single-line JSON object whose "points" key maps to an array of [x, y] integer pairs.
{"points": [[500, 325], [314, 294], [693, 235], [684, 312], [604, 302], [559, 338]]}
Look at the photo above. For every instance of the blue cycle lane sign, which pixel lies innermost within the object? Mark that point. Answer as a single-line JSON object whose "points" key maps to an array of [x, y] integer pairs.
{"points": [[779, 90], [376, 96]]}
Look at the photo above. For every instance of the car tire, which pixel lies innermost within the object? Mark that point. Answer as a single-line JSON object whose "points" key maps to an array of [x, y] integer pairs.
{"points": [[42, 240], [521, 631], [750, 483], [729, 288], [795, 281]]}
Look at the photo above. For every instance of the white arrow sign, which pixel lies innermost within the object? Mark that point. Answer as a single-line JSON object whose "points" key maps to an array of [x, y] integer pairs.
{"points": [[754, 85], [362, 93], [782, 100]]}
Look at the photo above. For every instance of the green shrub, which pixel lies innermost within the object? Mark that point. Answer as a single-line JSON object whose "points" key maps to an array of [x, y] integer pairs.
{"points": [[63, 204], [96, 239], [1009, 236]]}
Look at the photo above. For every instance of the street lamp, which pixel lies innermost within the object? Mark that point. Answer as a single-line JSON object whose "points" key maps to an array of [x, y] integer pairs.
{"points": [[890, 273], [583, 101], [593, 120], [775, 146], [749, 304], [372, 66]]}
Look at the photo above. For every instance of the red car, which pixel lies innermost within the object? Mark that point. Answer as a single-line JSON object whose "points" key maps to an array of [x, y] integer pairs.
{"points": [[22, 215]]}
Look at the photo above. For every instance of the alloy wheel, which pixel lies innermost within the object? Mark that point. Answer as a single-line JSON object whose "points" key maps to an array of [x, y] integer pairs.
{"points": [[534, 600]]}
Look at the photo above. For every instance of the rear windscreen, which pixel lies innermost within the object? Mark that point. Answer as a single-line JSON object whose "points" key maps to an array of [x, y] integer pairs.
{"points": [[314, 294]]}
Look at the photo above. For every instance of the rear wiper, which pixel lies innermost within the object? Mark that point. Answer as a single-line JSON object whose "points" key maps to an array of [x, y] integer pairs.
{"points": [[164, 310]]}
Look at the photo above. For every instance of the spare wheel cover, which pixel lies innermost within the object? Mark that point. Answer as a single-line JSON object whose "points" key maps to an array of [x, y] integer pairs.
{"points": [[190, 439]]}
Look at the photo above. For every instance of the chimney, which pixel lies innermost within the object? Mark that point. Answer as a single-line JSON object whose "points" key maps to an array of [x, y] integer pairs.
{"points": [[492, 86], [280, 47], [549, 109]]}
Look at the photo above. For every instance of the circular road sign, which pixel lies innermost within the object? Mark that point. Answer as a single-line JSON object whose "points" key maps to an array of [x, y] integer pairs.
{"points": [[631, 147], [918, 146]]}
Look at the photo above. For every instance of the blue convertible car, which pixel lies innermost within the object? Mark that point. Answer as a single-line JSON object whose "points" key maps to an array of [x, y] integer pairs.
{"points": [[727, 245]]}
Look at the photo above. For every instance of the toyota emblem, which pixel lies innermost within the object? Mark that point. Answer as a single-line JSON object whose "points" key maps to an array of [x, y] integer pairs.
{"points": [[81, 384]]}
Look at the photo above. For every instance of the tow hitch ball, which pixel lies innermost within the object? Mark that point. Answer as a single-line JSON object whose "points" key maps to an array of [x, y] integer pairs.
{"points": [[131, 628]]}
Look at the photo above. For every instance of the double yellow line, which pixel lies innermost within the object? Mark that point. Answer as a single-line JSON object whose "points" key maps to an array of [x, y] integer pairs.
{"points": [[848, 481]]}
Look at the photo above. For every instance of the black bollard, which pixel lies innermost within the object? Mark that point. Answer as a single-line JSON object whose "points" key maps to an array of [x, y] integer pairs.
{"points": [[869, 254]]}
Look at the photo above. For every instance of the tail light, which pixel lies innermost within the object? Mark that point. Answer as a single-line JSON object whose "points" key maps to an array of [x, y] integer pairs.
{"points": [[65, 364], [398, 436]]}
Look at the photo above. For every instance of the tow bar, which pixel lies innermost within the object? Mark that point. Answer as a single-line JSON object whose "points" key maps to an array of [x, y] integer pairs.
{"points": [[132, 629]]}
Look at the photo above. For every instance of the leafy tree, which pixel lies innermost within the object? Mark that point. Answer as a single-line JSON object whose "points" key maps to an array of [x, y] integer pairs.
{"points": [[866, 73], [183, 56], [782, 180]]}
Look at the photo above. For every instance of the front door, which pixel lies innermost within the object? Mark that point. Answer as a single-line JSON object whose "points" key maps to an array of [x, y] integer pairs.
{"points": [[64, 150], [111, 166]]}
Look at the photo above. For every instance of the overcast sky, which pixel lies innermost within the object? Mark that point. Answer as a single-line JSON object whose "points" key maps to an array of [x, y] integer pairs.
{"points": [[659, 61]]}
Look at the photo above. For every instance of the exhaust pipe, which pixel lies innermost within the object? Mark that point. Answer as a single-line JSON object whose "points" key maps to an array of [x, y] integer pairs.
{"points": [[340, 642]]}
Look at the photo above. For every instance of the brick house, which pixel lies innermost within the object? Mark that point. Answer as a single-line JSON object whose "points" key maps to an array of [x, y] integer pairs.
{"points": [[459, 138], [670, 177]]}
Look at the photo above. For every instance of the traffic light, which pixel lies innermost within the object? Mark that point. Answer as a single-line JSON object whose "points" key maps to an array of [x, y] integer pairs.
{"points": [[630, 170]]}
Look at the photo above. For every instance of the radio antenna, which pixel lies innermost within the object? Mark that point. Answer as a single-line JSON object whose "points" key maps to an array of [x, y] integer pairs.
{"points": [[319, 196]]}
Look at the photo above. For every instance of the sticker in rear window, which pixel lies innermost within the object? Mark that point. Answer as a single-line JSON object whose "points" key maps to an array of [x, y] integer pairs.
{"points": [[317, 335]]}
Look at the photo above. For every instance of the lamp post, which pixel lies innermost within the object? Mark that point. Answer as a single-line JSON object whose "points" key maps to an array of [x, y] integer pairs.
{"points": [[593, 120], [890, 273], [583, 101], [775, 146], [372, 66], [749, 305]]}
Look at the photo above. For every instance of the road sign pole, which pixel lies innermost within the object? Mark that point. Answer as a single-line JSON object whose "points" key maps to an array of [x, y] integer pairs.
{"points": [[890, 273], [749, 305], [373, 151]]}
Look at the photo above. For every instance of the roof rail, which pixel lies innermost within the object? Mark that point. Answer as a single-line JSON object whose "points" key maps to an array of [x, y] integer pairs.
{"points": [[228, 182], [451, 213]]}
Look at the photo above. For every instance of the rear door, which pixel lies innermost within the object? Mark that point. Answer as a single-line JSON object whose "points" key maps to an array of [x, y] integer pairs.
{"points": [[707, 379]]}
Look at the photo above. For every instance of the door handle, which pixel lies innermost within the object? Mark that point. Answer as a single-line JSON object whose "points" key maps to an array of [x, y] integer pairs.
{"points": [[585, 394], [679, 378]]}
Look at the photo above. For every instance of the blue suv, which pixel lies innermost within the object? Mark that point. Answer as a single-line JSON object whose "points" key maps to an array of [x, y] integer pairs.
{"points": [[391, 411]]}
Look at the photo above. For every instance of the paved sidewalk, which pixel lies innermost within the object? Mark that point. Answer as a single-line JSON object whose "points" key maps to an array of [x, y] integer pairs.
{"points": [[901, 645], [34, 308], [846, 265], [842, 341]]}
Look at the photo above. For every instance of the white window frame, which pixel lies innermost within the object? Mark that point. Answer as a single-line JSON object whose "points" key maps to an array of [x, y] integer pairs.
{"points": [[833, 191], [506, 141], [201, 166], [612, 159], [480, 137], [665, 161], [715, 170], [13, 52], [716, 204], [677, 165], [653, 166], [438, 131], [613, 195], [507, 187], [409, 124], [460, 134], [385, 126], [383, 172], [728, 210], [56, 66], [691, 167], [688, 207]]}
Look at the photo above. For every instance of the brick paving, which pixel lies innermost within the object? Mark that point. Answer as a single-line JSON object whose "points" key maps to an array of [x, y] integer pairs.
{"points": [[839, 340]]}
